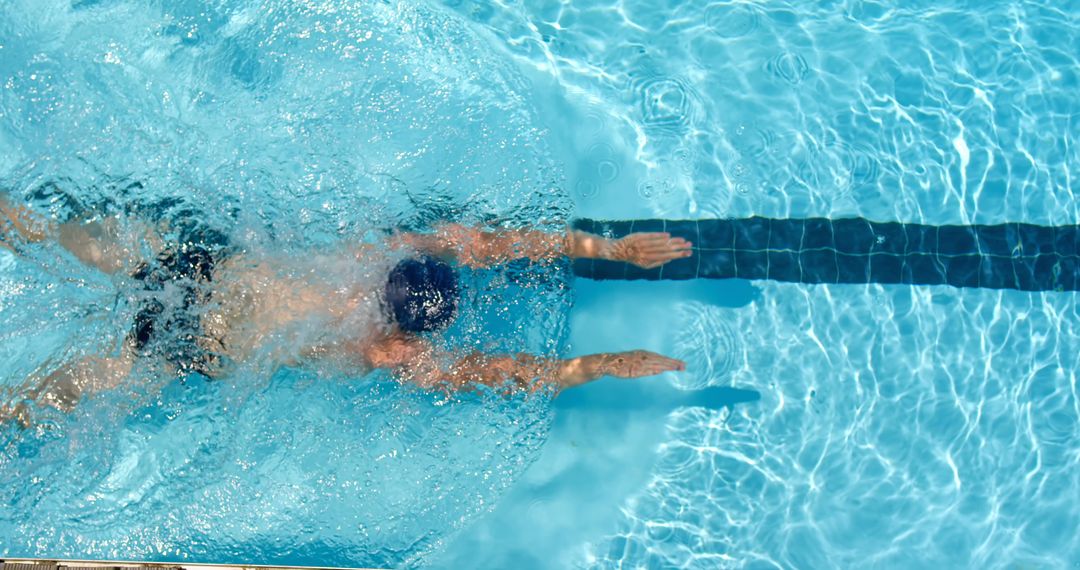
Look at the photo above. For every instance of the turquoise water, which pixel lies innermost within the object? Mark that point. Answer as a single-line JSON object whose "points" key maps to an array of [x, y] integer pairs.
{"points": [[897, 427], [290, 126], [846, 426]]}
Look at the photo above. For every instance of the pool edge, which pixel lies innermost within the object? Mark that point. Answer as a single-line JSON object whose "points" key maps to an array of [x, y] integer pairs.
{"points": [[60, 564]]}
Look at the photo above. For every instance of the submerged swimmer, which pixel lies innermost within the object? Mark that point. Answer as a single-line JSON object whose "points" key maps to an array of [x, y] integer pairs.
{"points": [[206, 309]]}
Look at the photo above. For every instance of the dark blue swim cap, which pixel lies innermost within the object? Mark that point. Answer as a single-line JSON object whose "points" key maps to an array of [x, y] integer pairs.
{"points": [[422, 294]]}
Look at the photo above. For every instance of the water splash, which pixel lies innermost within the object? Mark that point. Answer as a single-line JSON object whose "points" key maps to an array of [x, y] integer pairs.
{"points": [[285, 125]]}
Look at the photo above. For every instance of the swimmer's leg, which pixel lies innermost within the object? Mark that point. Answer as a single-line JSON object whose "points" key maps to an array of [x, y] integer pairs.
{"points": [[19, 225], [106, 245], [62, 388]]}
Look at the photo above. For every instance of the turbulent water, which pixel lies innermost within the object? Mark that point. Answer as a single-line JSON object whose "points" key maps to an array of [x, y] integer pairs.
{"points": [[282, 125]]}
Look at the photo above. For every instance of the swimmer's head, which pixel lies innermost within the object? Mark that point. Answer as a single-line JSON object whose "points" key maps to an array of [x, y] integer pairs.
{"points": [[422, 294]]}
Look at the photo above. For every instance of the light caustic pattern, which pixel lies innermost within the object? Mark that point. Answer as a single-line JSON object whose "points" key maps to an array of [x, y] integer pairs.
{"points": [[899, 427], [933, 112], [286, 125]]}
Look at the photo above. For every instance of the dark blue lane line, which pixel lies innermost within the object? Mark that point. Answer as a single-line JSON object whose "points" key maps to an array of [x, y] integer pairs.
{"points": [[853, 250]]}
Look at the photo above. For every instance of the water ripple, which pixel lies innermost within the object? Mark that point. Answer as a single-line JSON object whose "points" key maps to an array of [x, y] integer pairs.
{"points": [[732, 20], [650, 189], [708, 345], [667, 104], [599, 167], [911, 401], [586, 188], [791, 67], [899, 427], [837, 168]]}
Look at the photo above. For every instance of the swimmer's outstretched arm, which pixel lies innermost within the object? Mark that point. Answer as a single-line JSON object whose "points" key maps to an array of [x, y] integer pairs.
{"points": [[416, 361], [478, 248]]}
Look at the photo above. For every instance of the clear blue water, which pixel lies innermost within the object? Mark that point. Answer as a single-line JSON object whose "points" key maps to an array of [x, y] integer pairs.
{"points": [[858, 426]]}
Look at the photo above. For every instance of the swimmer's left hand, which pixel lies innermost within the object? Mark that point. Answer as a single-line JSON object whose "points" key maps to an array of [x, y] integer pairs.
{"points": [[647, 250], [637, 364], [631, 364]]}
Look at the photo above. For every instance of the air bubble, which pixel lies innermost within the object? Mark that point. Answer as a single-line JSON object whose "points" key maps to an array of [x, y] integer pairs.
{"points": [[599, 151], [683, 160], [837, 168], [391, 184], [761, 143], [595, 122]]}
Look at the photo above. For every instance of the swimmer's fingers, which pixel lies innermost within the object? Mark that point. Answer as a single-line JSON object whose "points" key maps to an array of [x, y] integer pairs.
{"points": [[649, 250], [653, 363], [654, 260], [655, 238], [665, 245], [653, 264], [639, 363]]}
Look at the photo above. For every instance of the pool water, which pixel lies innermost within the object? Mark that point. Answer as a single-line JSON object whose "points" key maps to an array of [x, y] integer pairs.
{"points": [[288, 127], [817, 426], [887, 426]]}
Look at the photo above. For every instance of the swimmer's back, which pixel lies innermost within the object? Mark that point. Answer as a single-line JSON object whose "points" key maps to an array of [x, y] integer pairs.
{"points": [[284, 303]]}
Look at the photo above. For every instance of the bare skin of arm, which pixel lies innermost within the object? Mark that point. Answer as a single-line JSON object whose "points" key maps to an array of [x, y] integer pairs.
{"points": [[477, 248], [414, 360]]}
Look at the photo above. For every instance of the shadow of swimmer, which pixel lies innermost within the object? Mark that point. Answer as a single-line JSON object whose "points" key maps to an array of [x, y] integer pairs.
{"points": [[614, 394]]}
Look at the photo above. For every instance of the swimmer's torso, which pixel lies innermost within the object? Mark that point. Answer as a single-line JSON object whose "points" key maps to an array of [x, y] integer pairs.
{"points": [[285, 306]]}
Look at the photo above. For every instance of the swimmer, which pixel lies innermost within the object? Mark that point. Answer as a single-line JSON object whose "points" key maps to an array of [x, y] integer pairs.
{"points": [[370, 306]]}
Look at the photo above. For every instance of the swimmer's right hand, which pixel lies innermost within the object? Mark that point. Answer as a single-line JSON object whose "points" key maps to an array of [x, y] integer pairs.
{"points": [[638, 363], [646, 250], [630, 364]]}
